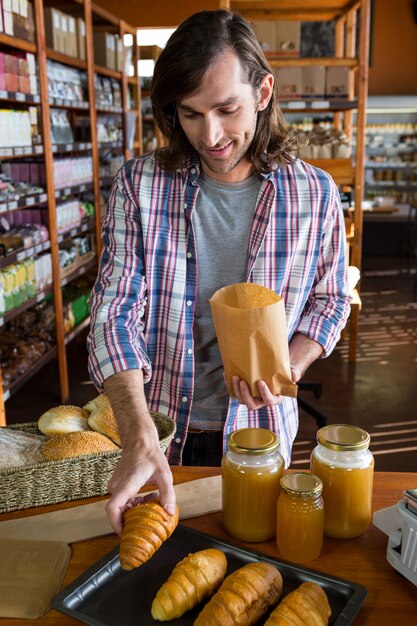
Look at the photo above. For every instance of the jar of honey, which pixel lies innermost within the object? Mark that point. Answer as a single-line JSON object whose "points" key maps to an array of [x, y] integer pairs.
{"points": [[300, 517], [251, 470], [344, 463]]}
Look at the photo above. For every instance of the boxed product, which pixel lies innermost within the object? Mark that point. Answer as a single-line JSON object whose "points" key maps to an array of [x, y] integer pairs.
{"points": [[287, 38], [337, 79], [289, 82], [105, 49], [80, 34], [7, 17], [72, 37], [313, 81], [265, 34], [119, 53], [64, 32], [53, 35]]}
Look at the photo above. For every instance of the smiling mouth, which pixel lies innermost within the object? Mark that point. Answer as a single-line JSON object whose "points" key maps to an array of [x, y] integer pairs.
{"points": [[218, 152]]}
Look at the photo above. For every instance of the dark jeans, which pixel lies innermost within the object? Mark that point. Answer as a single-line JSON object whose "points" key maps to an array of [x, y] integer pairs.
{"points": [[203, 449]]}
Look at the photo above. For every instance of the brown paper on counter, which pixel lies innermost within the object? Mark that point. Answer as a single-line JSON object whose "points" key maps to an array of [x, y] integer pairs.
{"points": [[87, 521], [31, 574], [251, 329]]}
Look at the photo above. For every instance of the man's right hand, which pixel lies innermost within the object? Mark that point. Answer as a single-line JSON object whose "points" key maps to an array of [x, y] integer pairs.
{"points": [[142, 460]]}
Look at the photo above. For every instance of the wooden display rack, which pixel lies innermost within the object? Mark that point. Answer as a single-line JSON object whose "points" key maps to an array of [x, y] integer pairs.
{"points": [[96, 19], [347, 16]]}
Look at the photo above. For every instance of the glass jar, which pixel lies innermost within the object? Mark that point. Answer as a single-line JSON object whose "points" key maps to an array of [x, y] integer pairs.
{"points": [[300, 517], [346, 466], [251, 469]]}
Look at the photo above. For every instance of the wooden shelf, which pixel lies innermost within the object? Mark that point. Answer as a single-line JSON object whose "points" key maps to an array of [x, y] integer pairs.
{"points": [[105, 71], [66, 59], [307, 10], [312, 62], [15, 42], [23, 253], [341, 170]]}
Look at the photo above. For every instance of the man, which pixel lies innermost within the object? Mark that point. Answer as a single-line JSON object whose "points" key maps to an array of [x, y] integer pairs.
{"points": [[225, 202]]}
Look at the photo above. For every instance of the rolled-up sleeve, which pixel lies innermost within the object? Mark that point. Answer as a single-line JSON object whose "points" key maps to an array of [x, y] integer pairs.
{"points": [[118, 300], [328, 306]]}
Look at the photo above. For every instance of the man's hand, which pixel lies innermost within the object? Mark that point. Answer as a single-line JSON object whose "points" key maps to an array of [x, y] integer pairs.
{"points": [[142, 460], [244, 396]]}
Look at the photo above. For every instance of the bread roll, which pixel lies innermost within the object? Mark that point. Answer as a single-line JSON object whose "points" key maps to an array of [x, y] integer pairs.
{"points": [[77, 444], [101, 418], [192, 580], [63, 419], [244, 597], [306, 606], [19, 448], [145, 528]]}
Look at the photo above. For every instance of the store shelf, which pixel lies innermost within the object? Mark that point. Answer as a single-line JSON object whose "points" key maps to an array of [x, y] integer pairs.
{"points": [[110, 144], [64, 148], [391, 166], [317, 106], [79, 271], [109, 109], [19, 97], [105, 71], [77, 330], [34, 369], [24, 203], [23, 253], [74, 190], [66, 59], [16, 42], [9, 315], [61, 103], [78, 230], [21, 151], [312, 62]]}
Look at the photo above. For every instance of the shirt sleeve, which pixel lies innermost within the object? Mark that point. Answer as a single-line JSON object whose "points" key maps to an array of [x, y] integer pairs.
{"points": [[328, 306], [116, 340]]}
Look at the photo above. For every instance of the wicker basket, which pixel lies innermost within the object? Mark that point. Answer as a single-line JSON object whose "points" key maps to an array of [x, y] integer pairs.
{"points": [[71, 479]]}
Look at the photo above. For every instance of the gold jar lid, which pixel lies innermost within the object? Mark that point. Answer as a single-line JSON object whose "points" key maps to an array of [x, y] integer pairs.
{"points": [[343, 437], [253, 441], [301, 484]]}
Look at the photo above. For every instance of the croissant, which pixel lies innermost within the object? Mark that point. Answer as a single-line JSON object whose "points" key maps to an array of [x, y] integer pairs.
{"points": [[244, 597], [145, 528], [194, 578], [306, 606]]}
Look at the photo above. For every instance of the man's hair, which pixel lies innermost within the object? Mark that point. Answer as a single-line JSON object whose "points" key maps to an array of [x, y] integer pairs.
{"points": [[191, 50]]}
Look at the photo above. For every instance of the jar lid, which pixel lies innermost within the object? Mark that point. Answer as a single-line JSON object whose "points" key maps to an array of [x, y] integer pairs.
{"points": [[343, 437], [301, 484], [253, 441]]}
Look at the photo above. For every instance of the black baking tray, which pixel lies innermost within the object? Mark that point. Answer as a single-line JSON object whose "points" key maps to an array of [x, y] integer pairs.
{"points": [[105, 595]]}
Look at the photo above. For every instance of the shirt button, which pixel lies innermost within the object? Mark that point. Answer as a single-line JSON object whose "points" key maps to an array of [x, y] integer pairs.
{"points": [[184, 399], [189, 351], [185, 205], [193, 170], [189, 255], [189, 302], [178, 440]]}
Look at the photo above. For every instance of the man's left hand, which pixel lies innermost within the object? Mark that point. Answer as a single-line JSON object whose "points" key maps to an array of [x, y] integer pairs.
{"points": [[244, 396]]}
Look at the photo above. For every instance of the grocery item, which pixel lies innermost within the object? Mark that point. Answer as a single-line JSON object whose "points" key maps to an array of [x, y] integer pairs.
{"points": [[251, 470], [76, 444], [101, 418], [300, 517], [244, 596], [346, 466], [63, 419], [306, 606], [193, 579], [145, 528]]}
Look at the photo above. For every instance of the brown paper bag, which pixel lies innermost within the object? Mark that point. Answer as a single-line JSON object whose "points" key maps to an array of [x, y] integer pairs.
{"points": [[251, 330]]}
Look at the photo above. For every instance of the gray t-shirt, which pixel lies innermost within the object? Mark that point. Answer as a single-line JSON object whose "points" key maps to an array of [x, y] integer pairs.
{"points": [[222, 220]]}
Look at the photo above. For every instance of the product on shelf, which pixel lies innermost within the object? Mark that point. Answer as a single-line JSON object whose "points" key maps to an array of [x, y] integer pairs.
{"points": [[18, 72], [323, 142], [25, 340], [20, 180], [108, 92], [278, 38], [72, 172], [61, 131], [18, 19], [66, 83], [109, 128], [61, 32]]}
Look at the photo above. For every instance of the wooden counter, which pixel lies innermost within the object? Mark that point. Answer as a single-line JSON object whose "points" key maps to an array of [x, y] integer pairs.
{"points": [[391, 599]]}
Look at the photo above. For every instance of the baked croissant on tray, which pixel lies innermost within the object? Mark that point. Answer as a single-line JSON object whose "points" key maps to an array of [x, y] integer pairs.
{"points": [[244, 597], [192, 580], [306, 606], [145, 528]]}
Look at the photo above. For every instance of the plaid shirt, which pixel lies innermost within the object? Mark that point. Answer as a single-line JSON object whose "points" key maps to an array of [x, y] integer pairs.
{"points": [[143, 302]]}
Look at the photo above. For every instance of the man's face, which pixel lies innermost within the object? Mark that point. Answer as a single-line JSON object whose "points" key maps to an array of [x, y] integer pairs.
{"points": [[219, 119]]}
